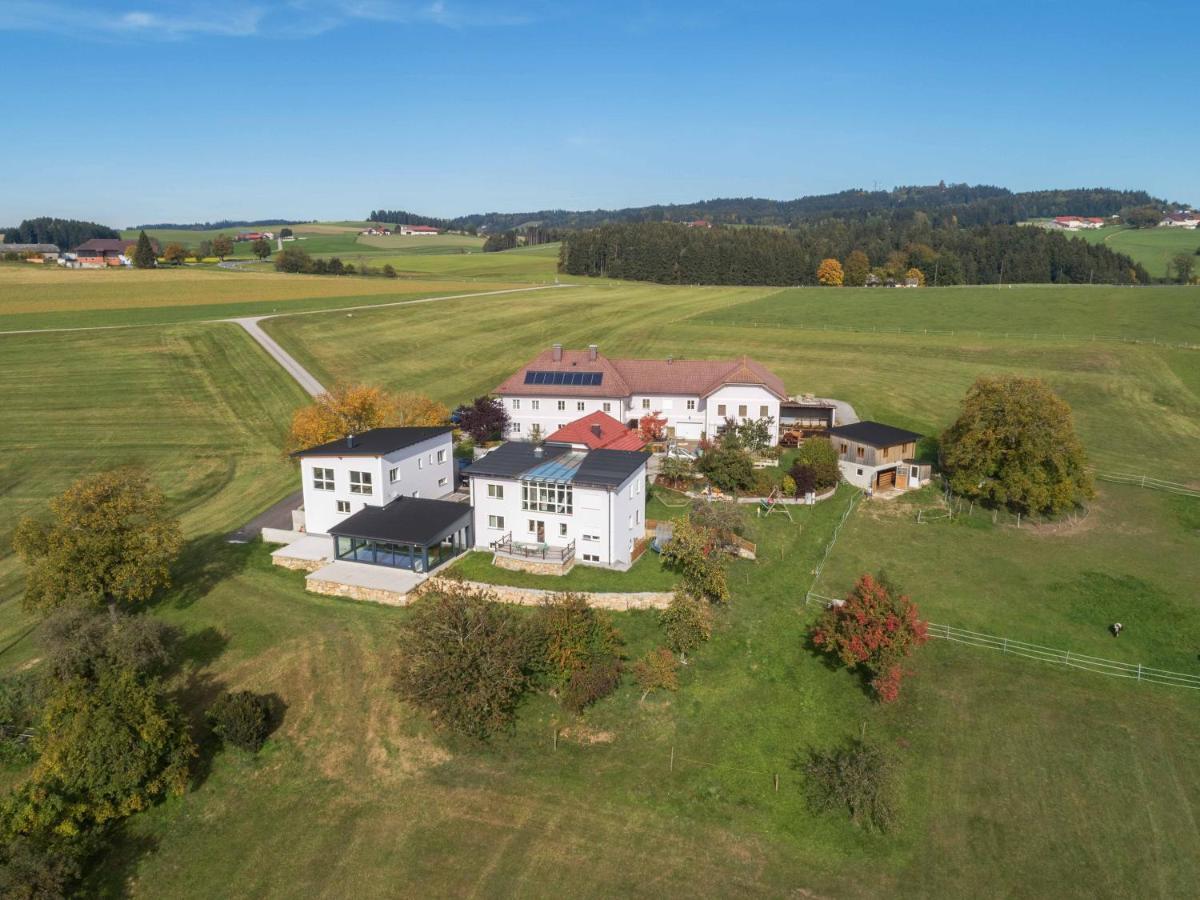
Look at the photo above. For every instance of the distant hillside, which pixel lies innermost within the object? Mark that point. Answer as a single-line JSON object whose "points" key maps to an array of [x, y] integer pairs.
{"points": [[953, 204], [66, 233], [216, 226]]}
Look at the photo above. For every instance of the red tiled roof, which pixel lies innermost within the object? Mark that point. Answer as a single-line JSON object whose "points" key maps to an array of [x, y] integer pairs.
{"points": [[419, 228], [625, 377], [613, 435]]}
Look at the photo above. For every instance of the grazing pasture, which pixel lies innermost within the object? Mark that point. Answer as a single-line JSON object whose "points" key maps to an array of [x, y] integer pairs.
{"points": [[1091, 783], [1152, 247]]}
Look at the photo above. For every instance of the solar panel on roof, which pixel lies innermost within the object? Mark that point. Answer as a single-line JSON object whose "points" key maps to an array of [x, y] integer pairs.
{"points": [[580, 379]]}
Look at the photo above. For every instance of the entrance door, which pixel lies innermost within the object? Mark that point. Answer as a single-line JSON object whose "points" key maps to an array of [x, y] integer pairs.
{"points": [[541, 531]]}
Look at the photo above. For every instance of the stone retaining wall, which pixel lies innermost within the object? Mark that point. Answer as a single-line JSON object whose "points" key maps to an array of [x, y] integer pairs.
{"points": [[536, 596], [298, 565], [354, 592], [532, 565]]}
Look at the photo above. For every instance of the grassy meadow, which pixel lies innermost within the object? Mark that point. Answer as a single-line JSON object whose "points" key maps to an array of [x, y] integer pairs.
{"points": [[1152, 247], [1019, 779]]}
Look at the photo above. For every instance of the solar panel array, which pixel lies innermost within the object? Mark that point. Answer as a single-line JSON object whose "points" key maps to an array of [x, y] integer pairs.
{"points": [[571, 378]]}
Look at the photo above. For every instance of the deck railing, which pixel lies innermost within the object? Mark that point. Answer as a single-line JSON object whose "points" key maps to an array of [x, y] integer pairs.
{"points": [[509, 547]]}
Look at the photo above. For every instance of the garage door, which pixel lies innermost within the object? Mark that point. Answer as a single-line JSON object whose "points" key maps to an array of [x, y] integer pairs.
{"points": [[886, 480], [688, 431]]}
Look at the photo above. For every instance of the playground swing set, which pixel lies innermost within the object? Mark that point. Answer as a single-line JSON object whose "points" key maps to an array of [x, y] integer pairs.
{"points": [[772, 503]]}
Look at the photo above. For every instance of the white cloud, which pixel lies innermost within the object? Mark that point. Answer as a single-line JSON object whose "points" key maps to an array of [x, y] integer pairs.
{"points": [[176, 20]]}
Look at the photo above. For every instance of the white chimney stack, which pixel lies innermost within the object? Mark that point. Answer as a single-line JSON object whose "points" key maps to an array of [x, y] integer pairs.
{"points": [[557, 352]]}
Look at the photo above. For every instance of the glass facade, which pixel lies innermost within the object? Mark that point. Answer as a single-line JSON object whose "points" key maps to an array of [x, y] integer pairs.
{"points": [[414, 557], [541, 496]]}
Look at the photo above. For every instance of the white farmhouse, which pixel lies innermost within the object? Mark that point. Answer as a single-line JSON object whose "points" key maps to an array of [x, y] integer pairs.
{"points": [[545, 507], [694, 396], [373, 469]]}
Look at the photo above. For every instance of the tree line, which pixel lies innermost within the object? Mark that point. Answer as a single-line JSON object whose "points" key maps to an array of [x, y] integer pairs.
{"points": [[404, 217], [667, 253], [66, 233], [223, 223]]}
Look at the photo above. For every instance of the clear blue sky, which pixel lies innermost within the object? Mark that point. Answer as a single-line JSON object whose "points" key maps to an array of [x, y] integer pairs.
{"points": [[181, 111]]}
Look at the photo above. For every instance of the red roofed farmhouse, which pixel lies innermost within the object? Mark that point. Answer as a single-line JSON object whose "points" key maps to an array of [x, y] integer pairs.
{"points": [[597, 431], [100, 252], [695, 396]]}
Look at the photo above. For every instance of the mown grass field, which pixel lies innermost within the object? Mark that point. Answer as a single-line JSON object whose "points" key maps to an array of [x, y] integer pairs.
{"points": [[1019, 779], [1152, 247], [37, 297]]}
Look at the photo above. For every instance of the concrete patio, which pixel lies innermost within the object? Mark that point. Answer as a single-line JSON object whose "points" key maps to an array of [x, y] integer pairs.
{"points": [[305, 555], [363, 581]]}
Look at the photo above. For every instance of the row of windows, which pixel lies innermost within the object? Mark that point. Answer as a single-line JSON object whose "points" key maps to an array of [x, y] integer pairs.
{"points": [[555, 498], [580, 405], [743, 411], [360, 482]]}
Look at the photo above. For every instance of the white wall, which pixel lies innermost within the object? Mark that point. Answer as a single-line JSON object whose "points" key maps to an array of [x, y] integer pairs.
{"points": [[614, 518], [735, 396], [544, 412], [420, 469], [688, 423]]}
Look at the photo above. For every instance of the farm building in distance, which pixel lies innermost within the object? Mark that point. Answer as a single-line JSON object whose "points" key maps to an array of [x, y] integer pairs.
{"points": [[1074, 223], [420, 230], [879, 457], [34, 253], [696, 397], [376, 231], [1181, 220], [100, 252]]}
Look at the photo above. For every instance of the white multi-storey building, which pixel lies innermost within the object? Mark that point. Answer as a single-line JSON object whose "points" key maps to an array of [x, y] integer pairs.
{"points": [[373, 469], [696, 397], [555, 503]]}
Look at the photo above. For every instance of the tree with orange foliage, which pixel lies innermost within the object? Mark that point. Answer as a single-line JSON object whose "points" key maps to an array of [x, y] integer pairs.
{"points": [[916, 273], [830, 273], [652, 426], [414, 410], [347, 409], [874, 629]]}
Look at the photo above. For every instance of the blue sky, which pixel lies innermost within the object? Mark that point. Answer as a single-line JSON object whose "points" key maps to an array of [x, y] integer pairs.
{"points": [[150, 111]]}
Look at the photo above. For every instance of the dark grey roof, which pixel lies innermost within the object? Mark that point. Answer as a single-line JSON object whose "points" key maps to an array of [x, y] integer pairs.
{"points": [[599, 468], [376, 442], [406, 520], [511, 459], [610, 468], [875, 433]]}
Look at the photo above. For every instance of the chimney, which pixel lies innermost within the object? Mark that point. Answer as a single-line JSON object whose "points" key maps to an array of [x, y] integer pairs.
{"points": [[670, 359], [557, 351], [349, 440], [593, 352], [537, 450], [596, 429]]}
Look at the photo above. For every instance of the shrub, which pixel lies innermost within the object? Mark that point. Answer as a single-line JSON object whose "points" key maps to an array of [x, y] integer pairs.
{"points": [[693, 552], [815, 467], [874, 630], [764, 482], [579, 650], [242, 719], [727, 467], [687, 623], [463, 659], [657, 670], [787, 486], [293, 259], [859, 777], [41, 867], [723, 518]]}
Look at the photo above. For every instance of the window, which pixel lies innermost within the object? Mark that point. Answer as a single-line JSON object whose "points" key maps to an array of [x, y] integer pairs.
{"points": [[591, 557], [562, 405], [607, 406], [742, 410], [323, 479], [343, 506], [420, 462], [515, 427], [496, 491], [637, 516], [495, 521], [516, 404], [721, 410], [441, 456], [845, 447], [443, 481], [860, 471], [763, 412], [860, 452], [541, 496], [532, 526], [393, 475], [535, 404], [645, 403], [562, 529], [691, 404], [580, 406], [591, 537], [360, 482]]}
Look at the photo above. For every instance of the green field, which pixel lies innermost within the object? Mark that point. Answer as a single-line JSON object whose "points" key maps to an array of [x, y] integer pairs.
{"points": [[1020, 779], [1152, 247]]}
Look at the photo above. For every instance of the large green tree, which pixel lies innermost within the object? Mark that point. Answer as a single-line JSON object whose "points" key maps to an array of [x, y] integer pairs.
{"points": [[464, 660], [857, 268], [109, 543], [144, 256], [222, 245], [1014, 445]]}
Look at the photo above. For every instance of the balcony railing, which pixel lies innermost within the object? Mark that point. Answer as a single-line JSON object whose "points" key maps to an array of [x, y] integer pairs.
{"points": [[509, 547]]}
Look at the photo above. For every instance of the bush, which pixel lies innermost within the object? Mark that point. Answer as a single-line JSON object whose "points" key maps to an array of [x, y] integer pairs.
{"points": [[579, 650], [874, 629], [815, 467], [464, 659], [694, 553], [242, 719], [293, 259], [657, 670], [727, 467], [764, 482], [723, 518], [858, 777], [42, 868], [687, 623], [788, 486]]}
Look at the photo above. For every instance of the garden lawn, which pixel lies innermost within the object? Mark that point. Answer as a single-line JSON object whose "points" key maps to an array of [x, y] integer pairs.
{"points": [[646, 574], [202, 408]]}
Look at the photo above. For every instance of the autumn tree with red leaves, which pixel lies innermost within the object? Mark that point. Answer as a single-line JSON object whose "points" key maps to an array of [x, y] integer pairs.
{"points": [[873, 630], [652, 426]]}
